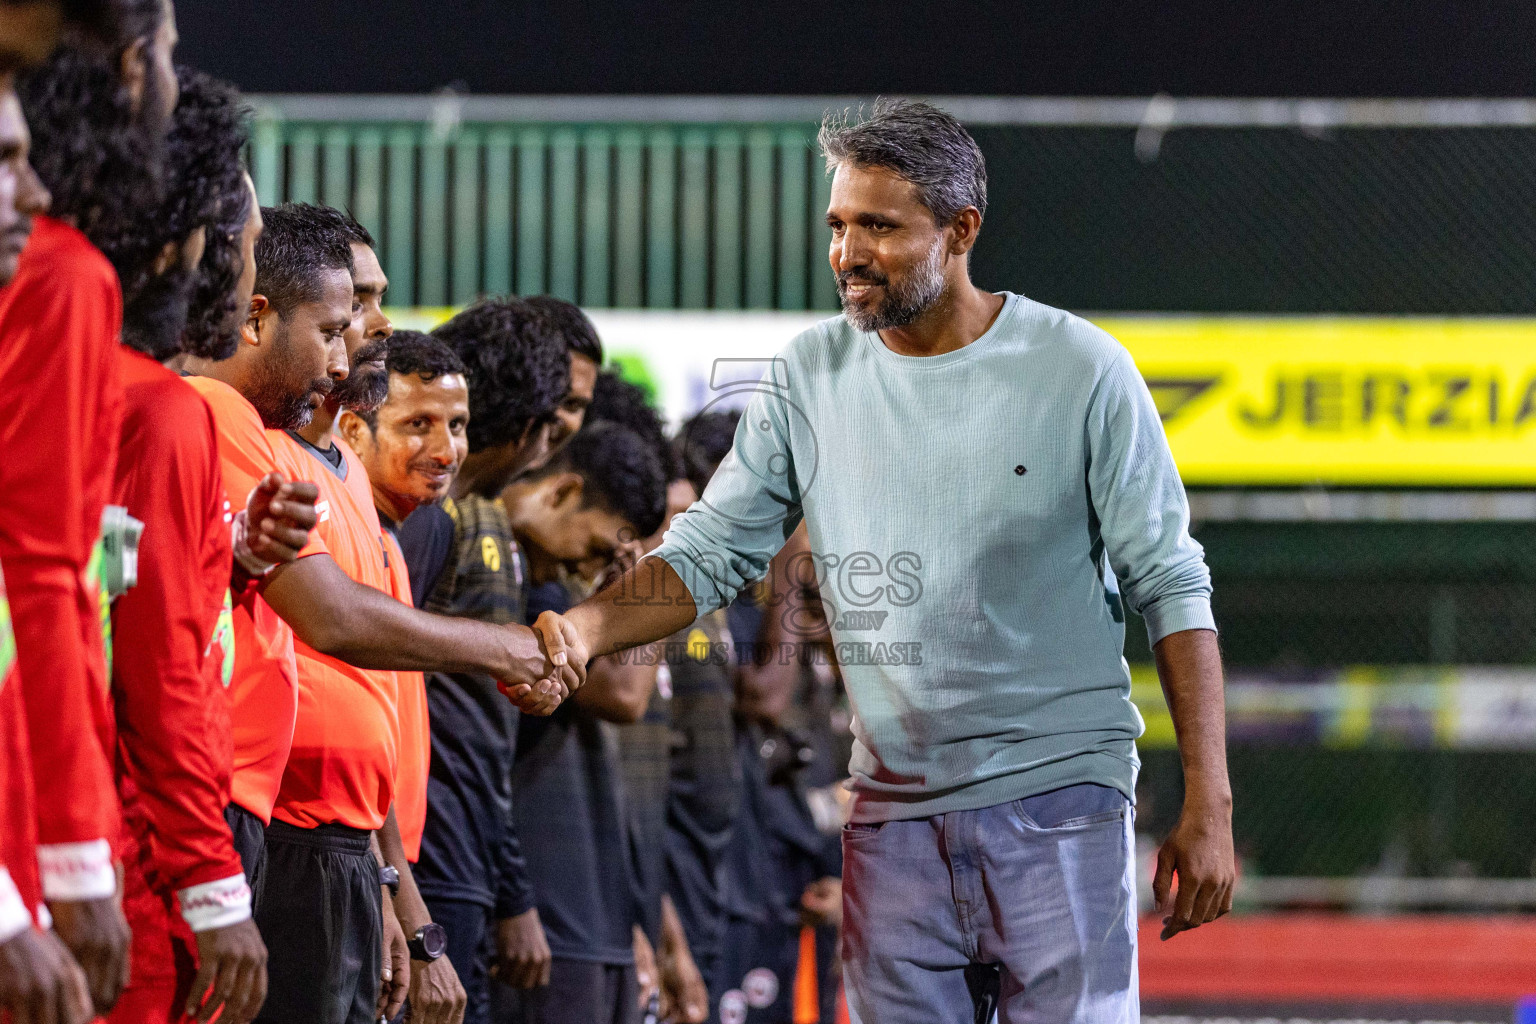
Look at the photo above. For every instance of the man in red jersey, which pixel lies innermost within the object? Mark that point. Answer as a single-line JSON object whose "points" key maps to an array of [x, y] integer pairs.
{"points": [[195, 947], [339, 776], [39, 980], [59, 322]]}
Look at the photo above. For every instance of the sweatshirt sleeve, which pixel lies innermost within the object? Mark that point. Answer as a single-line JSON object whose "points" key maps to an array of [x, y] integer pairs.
{"points": [[724, 542], [174, 741], [60, 328], [1141, 507]]}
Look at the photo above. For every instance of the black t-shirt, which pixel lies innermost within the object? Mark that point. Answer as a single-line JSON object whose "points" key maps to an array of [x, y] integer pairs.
{"points": [[469, 848], [426, 538], [704, 795], [569, 810], [645, 752]]}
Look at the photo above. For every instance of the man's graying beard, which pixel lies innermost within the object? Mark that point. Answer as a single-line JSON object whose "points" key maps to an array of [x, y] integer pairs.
{"points": [[365, 388], [904, 301], [285, 404]]}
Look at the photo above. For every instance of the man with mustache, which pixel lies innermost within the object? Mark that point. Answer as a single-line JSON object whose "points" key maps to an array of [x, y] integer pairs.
{"points": [[412, 445], [464, 561], [434, 988], [995, 757]]}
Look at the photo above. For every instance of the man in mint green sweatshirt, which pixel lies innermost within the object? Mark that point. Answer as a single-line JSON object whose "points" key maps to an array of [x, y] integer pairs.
{"points": [[986, 486]]}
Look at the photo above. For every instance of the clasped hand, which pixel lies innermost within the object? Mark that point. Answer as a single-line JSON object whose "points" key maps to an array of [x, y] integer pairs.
{"points": [[552, 674]]}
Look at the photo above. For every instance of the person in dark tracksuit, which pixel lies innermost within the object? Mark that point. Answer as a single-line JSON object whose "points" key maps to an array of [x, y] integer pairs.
{"points": [[704, 797], [471, 872], [777, 852], [571, 518], [464, 561]]}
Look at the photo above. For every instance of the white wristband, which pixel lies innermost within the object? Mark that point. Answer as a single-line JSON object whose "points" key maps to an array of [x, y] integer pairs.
{"points": [[14, 918], [77, 871], [216, 904]]}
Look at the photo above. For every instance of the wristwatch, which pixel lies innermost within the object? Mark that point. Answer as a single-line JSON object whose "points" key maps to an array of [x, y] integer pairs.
{"points": [[429, 942], [390, 875]]}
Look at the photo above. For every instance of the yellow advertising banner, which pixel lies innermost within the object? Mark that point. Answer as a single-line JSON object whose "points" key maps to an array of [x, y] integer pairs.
{"points": [[1366, 401]]}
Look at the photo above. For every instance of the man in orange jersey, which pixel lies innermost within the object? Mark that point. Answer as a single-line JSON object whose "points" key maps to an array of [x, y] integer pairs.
{"points": [[411, 446], [338, 780], [195, 946], [412, 948], [59, 321]]}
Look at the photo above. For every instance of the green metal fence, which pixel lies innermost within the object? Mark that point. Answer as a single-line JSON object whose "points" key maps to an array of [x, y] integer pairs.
{"points": [[624, 215], [1305, 206]]}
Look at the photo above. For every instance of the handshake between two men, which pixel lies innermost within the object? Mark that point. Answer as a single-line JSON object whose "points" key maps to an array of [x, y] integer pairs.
{"points": [[645, 603]]}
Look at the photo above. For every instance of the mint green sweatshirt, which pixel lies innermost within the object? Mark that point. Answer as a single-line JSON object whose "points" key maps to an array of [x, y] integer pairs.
{"points": [[979, 519]]}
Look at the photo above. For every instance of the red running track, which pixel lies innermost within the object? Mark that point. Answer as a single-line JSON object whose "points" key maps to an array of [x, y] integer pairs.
{"points": [[1337, 956]]}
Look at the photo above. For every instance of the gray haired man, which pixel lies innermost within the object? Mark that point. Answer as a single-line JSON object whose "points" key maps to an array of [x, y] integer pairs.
{"points": [[991, 475]]}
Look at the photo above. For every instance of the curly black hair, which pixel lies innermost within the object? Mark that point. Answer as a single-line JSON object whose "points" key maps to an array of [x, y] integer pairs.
{"points": [[519, 369], [414, 352], [101, 163], [297, 240], [206, 187], [616, 400], [622, 474], [703, 441], [567, 320]]}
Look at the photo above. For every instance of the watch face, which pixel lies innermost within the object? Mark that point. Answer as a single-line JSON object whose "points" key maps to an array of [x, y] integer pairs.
{"points": [[433, 939]]}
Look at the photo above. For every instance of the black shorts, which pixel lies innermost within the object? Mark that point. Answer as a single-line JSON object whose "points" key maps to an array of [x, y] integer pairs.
{"points": [[320, 914], [250, 837]]}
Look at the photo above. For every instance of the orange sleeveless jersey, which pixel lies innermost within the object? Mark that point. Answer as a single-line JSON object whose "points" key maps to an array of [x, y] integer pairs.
{"points": [[264, 687], [346, 740], [415, 737]]}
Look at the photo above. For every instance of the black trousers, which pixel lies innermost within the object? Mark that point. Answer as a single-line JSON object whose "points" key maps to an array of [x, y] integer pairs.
{"points": [[469, 949], [578, 993], [320, 913], [250, 843]]}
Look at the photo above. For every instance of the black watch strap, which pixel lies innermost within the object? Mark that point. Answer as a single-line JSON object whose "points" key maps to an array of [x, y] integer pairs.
{"points": [[429, 943], [390, 875]]}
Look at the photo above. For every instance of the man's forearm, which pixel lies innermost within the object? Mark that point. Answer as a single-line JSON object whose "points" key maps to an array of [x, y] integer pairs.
{"points": [[1189, 665], [410, 909], [646, 604], [336, 615]]}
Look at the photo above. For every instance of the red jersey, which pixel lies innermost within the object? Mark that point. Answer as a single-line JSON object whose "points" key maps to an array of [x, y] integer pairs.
{"points": [[415, 736], [346, 741], [264, 685], [20, 889], [168, 669], [59, 324]]}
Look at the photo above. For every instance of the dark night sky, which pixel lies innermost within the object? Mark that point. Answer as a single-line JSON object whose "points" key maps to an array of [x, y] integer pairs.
{"points": [[1067, 47]]}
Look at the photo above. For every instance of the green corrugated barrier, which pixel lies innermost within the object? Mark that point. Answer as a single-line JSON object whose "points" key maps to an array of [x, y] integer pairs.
{"points": [[631, 216]]}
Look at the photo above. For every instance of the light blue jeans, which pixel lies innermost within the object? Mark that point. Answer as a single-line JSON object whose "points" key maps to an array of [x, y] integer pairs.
{"points": [[1044, 888]]}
